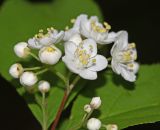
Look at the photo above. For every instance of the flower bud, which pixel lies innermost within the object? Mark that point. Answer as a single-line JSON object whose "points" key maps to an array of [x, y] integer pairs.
{"points": [[87, 108], [50, 55], [93, 124], [112, 127], [16, 70], [21, 49], [43, 86], [95, 102], [28, 79]]}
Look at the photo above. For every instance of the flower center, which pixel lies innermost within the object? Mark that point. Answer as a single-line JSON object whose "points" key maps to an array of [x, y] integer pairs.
{"points": [[130, 54], [100, 29], [50, 49], [83, 57]]}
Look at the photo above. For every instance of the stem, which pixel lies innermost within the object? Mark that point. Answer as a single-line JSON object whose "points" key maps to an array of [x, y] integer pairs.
{"points": [[63, 102], [42, 71], [109, 59], [33, 68], [60, 76], [34, 56], [85, 120], [44, 126], [65, 97]]}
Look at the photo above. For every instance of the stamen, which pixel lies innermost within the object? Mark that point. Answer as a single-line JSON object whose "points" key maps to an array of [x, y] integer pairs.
{"points": [[73, 20], [50, 49], [107, 26]]}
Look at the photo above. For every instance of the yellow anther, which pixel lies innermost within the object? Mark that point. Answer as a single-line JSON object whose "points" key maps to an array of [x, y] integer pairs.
{"points": [[97, 28], [107, 26], [93, 60], [132, 45], [73, 20], [67, 28], [41, 30], [50, 49], [130, 65]]}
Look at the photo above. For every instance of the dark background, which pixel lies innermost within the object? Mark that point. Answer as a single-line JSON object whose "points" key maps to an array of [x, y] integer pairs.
{"points": [[141, 18]]}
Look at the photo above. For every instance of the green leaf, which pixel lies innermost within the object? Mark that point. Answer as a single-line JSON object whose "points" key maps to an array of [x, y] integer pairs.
{"points": [[125, 104], [20, 20]]}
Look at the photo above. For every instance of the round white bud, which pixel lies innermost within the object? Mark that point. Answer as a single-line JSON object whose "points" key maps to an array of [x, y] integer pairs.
{"points": [[28, 79], [95, 102], [93, 124], [112, 127], [87, 108], [43, 86], [16, 70], [50, 55], [21, 49]]}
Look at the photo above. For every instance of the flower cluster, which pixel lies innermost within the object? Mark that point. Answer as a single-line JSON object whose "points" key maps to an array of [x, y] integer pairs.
{"points": [[94, 123], [81, 50]]}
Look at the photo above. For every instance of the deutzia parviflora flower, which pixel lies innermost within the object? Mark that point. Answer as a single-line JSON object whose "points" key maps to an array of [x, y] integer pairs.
{"points": [[95, 102], [87, 108], [124, 56], [40, 40], [43, 86], [81, 57], [16, 70], [92, 28], [28, 79], [112, 127], [93, 124], [49, 55], [21, 49]]}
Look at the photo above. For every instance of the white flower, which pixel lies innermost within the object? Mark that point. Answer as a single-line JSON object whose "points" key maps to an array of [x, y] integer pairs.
{"points": [[40, 40], [92, 28], [16, 70], [81, 57], [93, 124], [95, 102], [49, 55], [44, 86], [21, 49], [76, 27], [124, 56], [28, 79], [112, 127], [87, 108]]}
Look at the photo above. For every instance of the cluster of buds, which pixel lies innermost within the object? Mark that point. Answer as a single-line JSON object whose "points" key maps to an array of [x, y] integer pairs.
{"points": [[94, 104], [94, 123]]}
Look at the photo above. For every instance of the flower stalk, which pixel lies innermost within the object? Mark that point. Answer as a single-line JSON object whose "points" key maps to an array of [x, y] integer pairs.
{"points": [[44, 125]]}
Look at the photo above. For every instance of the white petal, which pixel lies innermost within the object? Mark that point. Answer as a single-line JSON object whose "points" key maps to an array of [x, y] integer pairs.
{"points": [[122, 40], [128, 75], [87, 74], [70, 64], [80, 18], [69, 33], [58, 37], [33, 43], [115, 66], [76, 38], [101, 63], [136, 67], [90, 46], [85, 28], [70, 48], [110, 38]]}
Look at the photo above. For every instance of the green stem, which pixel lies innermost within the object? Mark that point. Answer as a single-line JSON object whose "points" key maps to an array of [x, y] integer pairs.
{"points": [[33, 68], [44, 126], [34, 56], [109, 59], [61, 76], [71, 86], [42, 71], [87, 117]]}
